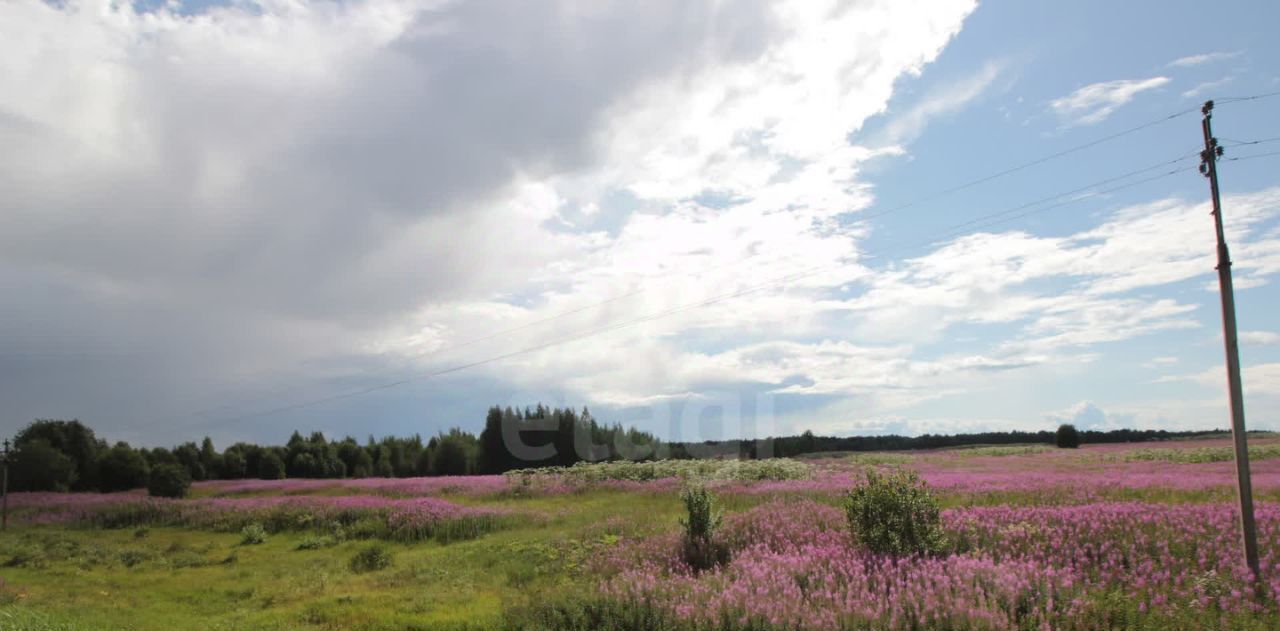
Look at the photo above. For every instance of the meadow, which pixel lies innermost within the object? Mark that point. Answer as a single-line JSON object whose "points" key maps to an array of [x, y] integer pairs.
{"points": [[1101, 537]]}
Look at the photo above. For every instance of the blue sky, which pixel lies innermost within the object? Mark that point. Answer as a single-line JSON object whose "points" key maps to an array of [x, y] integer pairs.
{"points": [[705, 220]]}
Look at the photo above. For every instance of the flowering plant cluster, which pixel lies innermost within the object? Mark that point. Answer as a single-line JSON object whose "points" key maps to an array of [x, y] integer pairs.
{"points": [[409, 519], [796, 565]]}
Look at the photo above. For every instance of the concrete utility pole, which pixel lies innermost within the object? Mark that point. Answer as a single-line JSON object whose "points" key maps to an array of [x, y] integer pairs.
{"points": [[1249, 529]]}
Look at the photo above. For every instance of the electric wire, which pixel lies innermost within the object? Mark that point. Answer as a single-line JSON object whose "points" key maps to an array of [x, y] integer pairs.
{"points": [[983, 221]]}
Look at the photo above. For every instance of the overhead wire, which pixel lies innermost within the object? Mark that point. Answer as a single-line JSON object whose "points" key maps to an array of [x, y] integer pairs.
{"points": [[987, 220], [864, 218]]}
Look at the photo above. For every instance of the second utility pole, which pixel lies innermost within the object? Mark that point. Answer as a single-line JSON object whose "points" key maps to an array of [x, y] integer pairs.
{"points": [[1248, 527]]}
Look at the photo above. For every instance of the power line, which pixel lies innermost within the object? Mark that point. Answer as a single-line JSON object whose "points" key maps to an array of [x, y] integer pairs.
{"points": [[1227, 100], [1026, 165], [1250, 157], [930, 197], [1083, 189], [1244, 143], [1094, 194], [987, 220]]}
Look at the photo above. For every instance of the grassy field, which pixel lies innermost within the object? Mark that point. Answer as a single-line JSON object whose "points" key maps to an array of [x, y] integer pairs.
{"points": [[592, 550]]}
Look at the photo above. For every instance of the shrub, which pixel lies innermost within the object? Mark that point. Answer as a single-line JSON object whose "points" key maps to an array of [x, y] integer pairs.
{"points": [[895, 514], [132, 557], [370, 559], [701, 549], [169, 480], [122, 468], [1068, 437], [253, 534]]}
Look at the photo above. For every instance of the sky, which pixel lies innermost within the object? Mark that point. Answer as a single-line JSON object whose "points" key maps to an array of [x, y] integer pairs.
{"points": [[702, 219]]}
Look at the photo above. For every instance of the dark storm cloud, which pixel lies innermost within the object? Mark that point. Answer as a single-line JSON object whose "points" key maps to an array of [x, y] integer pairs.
{"points": [[182, 214]]}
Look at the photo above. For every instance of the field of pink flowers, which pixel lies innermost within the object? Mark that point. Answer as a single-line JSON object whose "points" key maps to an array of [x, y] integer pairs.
{"points": [[1097, 538], [406, 519], [1081, 566]]}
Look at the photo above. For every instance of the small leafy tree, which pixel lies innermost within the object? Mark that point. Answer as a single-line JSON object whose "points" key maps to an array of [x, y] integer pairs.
{"points": [[169, 480], [895, 514], [1068, 437], [701, 549]]}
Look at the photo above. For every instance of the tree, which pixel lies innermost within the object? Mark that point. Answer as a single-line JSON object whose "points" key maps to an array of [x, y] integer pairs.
{"points": [[364, 465], [454, 454], [233, 465], [189, 455], [271, 467], [422, 466], [305, 465], [209, 458], [169, 480], [122, 468], [382, 468], [38, 466], [493, 449], [349, 452], [1068, 437], [74, 440]]}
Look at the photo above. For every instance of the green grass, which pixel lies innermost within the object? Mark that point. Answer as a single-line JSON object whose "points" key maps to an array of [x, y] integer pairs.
{"points": [[1201, 454], [169, 578]]}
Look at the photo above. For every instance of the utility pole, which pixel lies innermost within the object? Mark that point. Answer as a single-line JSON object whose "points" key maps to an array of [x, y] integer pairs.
{"points": [[4, 488], [1249, 529]]}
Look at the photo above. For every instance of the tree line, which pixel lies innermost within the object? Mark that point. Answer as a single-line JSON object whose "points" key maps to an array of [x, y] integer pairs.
{"points": [[60, 455]]}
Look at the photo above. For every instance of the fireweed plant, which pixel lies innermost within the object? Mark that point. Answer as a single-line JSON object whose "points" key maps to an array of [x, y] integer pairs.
{"points": [[700, 547]]}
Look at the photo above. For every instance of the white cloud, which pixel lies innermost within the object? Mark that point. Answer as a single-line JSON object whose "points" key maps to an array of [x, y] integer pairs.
{"points": [[1197, 60], [263, 195], [908, 125], [1086, 415], [1093, 103], [1260, 380], [1259, 338], [1157, 362], [292, 188], [1204, 88]]}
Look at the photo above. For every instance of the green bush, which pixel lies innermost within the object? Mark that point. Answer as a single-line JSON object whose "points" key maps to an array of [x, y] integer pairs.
{"points": [[370, 559], [169, 480], [895, 514], [122, 468], [253, 534], [1068, 437], [700, 548], [132, 557]]}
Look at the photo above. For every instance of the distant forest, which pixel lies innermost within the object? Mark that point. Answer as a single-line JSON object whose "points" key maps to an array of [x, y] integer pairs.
{"points": [[57, 455]]}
